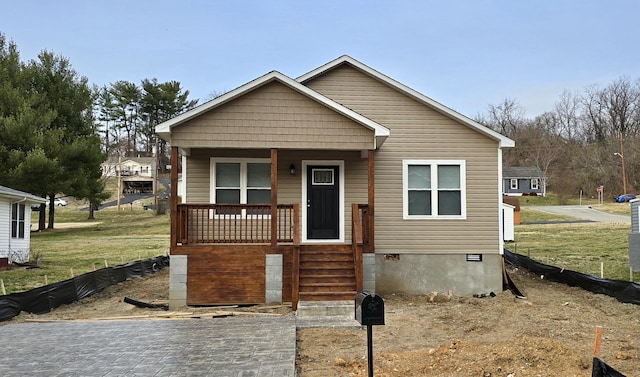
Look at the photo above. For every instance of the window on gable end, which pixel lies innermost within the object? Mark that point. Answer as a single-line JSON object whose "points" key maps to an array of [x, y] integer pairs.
{"points": [[434, 189]]}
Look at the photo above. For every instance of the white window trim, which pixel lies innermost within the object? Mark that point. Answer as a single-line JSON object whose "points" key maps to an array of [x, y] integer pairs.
{"points": [[18, 221], [434, 190], [513, 183], [243, 181], [535, 186], [182, 189]]}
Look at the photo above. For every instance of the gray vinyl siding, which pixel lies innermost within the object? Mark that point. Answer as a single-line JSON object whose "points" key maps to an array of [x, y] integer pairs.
{"points": [[418, 132], [272, 116]]}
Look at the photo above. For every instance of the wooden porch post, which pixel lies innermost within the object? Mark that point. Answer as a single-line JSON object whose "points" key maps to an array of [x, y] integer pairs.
{"points": [[274, 197], [174, 198], [372, 199]]}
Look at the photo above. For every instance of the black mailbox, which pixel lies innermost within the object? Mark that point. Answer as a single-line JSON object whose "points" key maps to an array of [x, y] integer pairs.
{"points": [[369, 309]]}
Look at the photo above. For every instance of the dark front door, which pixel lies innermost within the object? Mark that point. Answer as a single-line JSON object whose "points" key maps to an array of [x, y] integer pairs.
{"points": [[323, 202]]}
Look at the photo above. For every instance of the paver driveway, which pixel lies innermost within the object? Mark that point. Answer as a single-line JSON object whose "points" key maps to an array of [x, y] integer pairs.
{"points": [[238, 347]]}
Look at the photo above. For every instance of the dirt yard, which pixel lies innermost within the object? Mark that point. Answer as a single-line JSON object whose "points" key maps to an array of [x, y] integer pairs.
{"points": [[550, 333]]}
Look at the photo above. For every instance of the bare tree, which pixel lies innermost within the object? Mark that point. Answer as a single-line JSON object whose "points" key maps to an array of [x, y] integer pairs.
{"points": [[578, 145], [567, 119], [505, 117], [596, 125]]}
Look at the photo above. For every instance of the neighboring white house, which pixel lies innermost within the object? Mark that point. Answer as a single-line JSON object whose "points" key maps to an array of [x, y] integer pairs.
{"points": [[137, 173], [129, 166], [15, 224]]}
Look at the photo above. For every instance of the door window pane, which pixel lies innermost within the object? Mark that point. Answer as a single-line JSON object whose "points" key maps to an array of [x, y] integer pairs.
{"points": [[322, 176]]}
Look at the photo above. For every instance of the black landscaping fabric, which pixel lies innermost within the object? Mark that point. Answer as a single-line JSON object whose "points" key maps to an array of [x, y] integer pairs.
{"points": [[508, 284], [623, 291], [601, 369], [62, 293], [42, 299]]}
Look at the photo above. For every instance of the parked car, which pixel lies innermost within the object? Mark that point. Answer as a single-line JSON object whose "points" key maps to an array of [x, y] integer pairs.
{"points": [[58, 202], [35, 207], [625, 198]]}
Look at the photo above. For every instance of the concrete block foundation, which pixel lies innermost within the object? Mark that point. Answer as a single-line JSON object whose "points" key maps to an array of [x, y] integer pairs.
{"points": [[273, 276], [177, 281], [424, 273], [369, 272]]}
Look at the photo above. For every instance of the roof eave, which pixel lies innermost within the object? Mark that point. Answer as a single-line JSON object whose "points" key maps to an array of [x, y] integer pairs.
{"points": [[27, 198]]}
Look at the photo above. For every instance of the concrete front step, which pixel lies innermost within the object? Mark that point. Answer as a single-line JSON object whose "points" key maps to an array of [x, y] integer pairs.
{"points": [[327, 296], [313, 309], [306, 287]]}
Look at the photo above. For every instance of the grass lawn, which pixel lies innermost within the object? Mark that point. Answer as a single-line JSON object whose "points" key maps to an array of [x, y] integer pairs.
{"points": [[76, 244], [579, 247]]}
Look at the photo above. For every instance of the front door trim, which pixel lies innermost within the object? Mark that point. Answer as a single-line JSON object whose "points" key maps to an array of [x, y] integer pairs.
{"points": [[340, 165]]}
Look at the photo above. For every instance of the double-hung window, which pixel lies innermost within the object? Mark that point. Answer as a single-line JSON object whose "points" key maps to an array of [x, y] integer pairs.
{"points": [[514, 183], [535, 183], [241, 181], [17, 220], [434, 189]]}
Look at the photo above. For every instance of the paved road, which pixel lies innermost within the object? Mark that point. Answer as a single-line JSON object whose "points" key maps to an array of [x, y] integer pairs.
{"points": [[585, 213], [222, 347]]}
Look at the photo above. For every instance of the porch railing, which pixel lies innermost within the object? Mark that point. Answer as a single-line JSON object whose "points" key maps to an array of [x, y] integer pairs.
{"points": [[358, 232], [234, 223], [363, 213]]}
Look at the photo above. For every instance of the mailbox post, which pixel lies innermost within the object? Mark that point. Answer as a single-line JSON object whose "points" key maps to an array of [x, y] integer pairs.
{"points": [[369, 311]]}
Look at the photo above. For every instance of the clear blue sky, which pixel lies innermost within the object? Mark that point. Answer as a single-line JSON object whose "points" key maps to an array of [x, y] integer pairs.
{"points": [[466, 54]]}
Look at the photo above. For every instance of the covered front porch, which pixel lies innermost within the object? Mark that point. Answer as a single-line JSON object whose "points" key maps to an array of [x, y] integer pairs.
{"points": [[281, 250], [290, 161]]}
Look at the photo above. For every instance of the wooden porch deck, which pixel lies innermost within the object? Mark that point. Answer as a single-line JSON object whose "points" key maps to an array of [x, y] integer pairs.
{"points": [[227, 245]]}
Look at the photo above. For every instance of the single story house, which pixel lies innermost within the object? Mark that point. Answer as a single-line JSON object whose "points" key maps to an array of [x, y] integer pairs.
{"points": [[15, 224], [343, 179], [518, 181]]}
